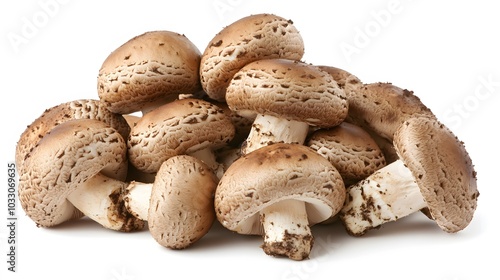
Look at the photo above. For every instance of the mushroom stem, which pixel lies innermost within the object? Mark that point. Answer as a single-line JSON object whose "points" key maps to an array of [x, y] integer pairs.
{"points": [[387, 195], [208, 156], [268, 129], [286, 230], [101, 194], [137, 198]]}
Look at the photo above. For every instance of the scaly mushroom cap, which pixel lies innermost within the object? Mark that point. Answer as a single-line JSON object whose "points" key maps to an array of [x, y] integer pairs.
{"points": [[275, 173], [181, 208], [77, 109], [350, 149], [442, 169], [68, 155], [383, 107], [154, 67], [287, 89], [249, 39], [180, 127]]}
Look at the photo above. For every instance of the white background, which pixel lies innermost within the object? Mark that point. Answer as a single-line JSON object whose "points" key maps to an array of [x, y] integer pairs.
{"points": [[446, 52]]}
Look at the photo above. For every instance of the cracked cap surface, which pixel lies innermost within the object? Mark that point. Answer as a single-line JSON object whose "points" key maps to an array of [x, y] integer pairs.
{"points": [[154, 67], [246, 40], [442, 169], [287, 89], [274, 173]]}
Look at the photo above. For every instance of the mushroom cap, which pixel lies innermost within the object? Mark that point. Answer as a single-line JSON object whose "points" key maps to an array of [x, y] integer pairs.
{"points": [[181, 208], [176, 128], [68, 155], [442, 169], [287, 89], [249, 39], [154, 67], [383, 107], [350, 149], [275, 173], [77, 109], [346, 81]]}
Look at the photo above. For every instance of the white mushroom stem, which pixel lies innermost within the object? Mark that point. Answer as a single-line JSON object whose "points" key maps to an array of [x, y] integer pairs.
{"points": [[137, 199], [268, 130], [387, 195], [286, 230], [100, 199], [208, 156]]}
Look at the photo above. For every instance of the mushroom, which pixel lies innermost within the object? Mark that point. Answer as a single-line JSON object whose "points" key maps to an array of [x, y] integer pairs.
{"points": [[383, 107], [188, 126], [149, 70], [350, 149], [285, 97], [279, 191], [249, 39], [434, 172], [76, 109], [352, 85], [179, 204], [73, 170]]}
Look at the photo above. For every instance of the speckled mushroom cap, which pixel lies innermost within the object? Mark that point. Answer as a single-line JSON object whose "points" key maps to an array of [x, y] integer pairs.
{"points": [[274, 173], [287, 89], [69, 154], [181, 209], [442, 169], [249, 39], [180, 127], [383, 107], [346, 81], [150, 69], [77, 109], [350, 149]]}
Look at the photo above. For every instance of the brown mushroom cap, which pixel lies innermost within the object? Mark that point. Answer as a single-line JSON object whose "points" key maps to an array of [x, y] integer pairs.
{"points": [[180, 127], [77, 109], [383, 107], [287, 89], [181, 208], [150, 69], [275, 173], [442, 169], [246, 40], [346, 81], [350, 149], [68, 155]]}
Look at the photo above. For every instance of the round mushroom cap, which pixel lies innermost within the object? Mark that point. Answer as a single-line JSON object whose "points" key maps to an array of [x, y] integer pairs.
{"points": [[77, 109], [383, 107], [275, 173], [181, 209], [68, 155], [150, 69], [442, 169], [287, 89], [350, 149], [176, 128], [249, 39]]}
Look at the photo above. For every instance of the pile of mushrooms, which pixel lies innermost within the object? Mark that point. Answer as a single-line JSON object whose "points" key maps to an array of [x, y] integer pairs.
{"points": [[245, 134]]}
